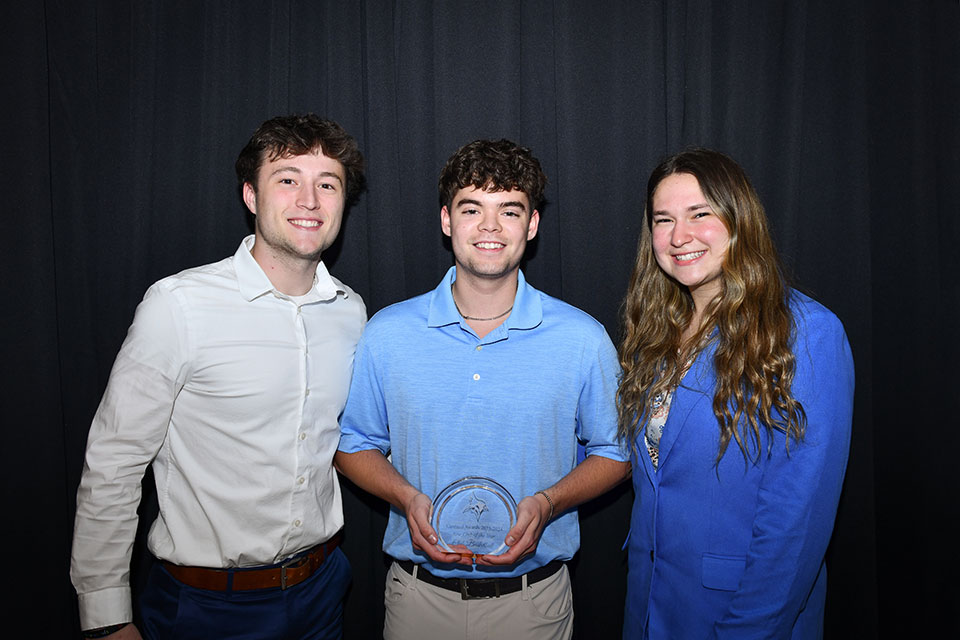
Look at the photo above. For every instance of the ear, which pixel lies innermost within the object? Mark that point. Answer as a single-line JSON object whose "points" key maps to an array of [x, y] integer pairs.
{"points": [[533, 225], [445, 220], [250, 197]]}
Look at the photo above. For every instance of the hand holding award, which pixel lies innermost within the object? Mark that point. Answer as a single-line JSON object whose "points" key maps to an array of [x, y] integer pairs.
{"points": [[473, 514]]}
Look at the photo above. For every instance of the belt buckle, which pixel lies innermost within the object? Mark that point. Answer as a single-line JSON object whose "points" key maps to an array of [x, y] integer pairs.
{"points": [[465, 589], [290, 563]]}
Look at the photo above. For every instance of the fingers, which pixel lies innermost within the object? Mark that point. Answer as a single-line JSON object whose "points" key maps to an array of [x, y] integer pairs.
{"points": [[466, 555], [424, 538], [523, 538], [525, 545], [439, 556]]}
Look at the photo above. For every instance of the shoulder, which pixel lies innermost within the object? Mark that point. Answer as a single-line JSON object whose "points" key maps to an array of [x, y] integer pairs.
{"points": [[398, 317], [809, 315], [818, 332], [560, 314], [215, 274], [168, 301], [573, 335]]}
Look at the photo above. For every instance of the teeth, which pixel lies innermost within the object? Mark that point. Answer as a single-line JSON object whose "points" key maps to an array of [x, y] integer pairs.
{"points": [[306, 223], [489, 245], [689, 256]]}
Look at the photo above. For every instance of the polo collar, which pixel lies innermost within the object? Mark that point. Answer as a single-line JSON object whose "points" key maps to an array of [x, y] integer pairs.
{"points": [[527, 310]]}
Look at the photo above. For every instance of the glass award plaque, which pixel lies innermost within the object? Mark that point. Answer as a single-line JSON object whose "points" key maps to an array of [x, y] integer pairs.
{"points": [[476, 513]]}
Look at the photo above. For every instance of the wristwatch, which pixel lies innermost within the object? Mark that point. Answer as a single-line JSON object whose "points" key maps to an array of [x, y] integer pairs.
{"points": [[102, 632]]}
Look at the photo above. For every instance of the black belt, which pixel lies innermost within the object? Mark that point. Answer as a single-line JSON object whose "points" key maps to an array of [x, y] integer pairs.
{"points": [[474, 588]]}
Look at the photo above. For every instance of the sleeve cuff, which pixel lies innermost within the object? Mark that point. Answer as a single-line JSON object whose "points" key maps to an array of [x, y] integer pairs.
{"points": [[105, 607], [611, 451]]}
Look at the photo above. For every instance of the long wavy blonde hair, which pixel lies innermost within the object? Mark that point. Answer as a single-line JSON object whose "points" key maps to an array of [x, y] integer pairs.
{"points": [[753, 361]]}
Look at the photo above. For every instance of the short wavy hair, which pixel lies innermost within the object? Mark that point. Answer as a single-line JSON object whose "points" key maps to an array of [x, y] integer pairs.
{"points": [[492, 165], [297, 135]]}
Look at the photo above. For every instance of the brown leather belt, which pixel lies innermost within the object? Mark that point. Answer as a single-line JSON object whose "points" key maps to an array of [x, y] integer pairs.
{"points": [[476, 588], [284, 575]]}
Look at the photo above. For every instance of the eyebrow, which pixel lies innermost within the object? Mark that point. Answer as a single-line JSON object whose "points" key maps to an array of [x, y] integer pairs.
{"points": [[503, 205], [694, 207], [323, 174]]}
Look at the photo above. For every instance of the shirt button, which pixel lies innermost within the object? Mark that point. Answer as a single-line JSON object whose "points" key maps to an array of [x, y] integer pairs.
{"points": [[303, 435], [651, 555], [300, 480], [476, 376], [479, 347], [307, 392], [296, 523]]}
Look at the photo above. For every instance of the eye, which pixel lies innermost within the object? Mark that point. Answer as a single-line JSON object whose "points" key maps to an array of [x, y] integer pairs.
{"points": [[328, 186], [287, 181], [702, 214], [661, 219], [469, 211], [514, 214]]}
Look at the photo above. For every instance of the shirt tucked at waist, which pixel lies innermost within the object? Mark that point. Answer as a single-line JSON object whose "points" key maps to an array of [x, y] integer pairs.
{"points": [[233, 390]]}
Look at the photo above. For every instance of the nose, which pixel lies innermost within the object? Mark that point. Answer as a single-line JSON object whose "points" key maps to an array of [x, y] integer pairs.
{"points": [[489, 221], [307, 197], [681, 234]]}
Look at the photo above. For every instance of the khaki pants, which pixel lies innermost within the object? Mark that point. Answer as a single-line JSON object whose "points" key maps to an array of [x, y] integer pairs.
{"points": [[416, 610]]}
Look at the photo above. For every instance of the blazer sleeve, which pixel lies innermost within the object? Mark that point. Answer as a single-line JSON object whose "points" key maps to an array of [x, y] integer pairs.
{"points": [[800, 487]]}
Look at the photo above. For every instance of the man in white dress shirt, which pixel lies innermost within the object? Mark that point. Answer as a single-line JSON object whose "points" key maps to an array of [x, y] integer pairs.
{"points": [[230, 382]]}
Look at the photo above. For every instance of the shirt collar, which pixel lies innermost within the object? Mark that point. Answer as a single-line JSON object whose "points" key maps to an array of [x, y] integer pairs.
{"points": [[254, 282], [527, 310]]}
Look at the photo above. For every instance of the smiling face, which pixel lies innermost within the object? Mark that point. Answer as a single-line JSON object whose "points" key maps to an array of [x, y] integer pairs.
{"points": [[489, 231], [298, 204], [689, 240]]}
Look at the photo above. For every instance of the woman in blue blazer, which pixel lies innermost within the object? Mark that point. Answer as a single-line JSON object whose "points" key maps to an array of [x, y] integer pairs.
{"points": [[736, 400]]}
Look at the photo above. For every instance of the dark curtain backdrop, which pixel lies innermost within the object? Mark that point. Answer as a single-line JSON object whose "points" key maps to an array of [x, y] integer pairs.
{"points": [[122, 120]]}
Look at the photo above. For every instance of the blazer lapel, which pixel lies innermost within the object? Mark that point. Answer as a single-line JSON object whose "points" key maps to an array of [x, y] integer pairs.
{"points": [[695, 388], [643, 459]]}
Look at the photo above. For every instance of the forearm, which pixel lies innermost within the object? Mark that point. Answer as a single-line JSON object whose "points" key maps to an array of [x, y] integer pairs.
{"points": [[104, 532], [371, 471], [591, 478], [587, 480], [106, 523]]}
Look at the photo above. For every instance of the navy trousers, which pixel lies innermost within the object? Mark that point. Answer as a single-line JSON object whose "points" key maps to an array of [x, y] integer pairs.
{"points": [[311, 610]]}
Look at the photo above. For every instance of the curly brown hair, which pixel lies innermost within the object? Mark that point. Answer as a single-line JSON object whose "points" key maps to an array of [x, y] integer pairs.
{"points": [[492, 165], [750, 320], [296, 135]]}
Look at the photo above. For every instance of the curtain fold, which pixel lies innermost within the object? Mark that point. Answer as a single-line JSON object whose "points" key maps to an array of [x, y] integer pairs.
{"points": [[123, 121]]}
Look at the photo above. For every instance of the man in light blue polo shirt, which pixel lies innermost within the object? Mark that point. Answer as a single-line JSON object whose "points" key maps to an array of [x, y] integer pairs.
{"points": [[484, 376]]}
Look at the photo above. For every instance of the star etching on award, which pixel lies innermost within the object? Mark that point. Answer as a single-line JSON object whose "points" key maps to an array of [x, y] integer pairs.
{"points": [[476, 506]]}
